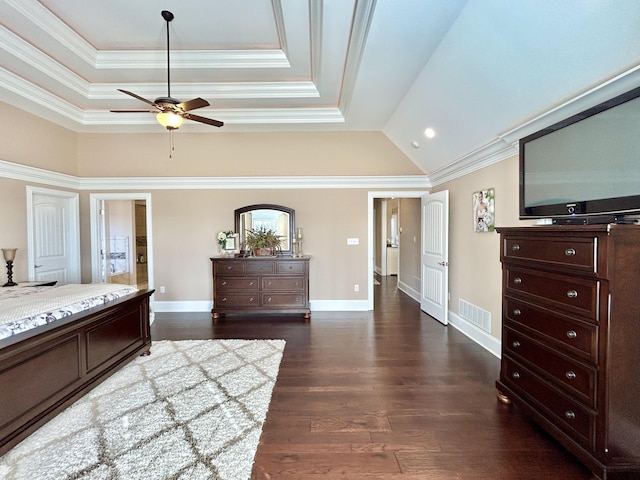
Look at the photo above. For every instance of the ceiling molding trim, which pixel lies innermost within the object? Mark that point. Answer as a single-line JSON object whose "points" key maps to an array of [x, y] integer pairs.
{"points": [[210, 90], [29, 174], [231, 116], [507, 143], [280, 28], [478, 159], [44, 20], [26, 53], [315, 31], [363, 16], [34, 94], [37, 175], [192, 59], [614, 86]]}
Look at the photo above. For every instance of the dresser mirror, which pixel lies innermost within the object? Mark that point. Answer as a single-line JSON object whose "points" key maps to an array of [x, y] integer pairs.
{"points": [[275, 217]]}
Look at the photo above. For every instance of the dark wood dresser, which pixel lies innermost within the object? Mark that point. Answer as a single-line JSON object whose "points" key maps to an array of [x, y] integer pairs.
{"points": [[571, 338], [256, 285]]}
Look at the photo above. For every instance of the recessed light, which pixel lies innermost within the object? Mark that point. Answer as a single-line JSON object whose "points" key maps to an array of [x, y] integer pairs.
{"points": [[429, 132]]}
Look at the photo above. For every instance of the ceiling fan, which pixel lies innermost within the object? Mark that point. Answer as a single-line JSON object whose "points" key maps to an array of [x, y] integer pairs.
{"points": [[171, 112]]}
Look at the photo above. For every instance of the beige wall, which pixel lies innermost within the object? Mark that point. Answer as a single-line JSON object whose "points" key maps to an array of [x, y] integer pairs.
{"points": [[474, 258], [241, 154], [185, 222], [410, 249], [30, 140]]}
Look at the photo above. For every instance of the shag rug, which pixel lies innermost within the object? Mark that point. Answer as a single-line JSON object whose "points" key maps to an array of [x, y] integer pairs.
{"points": [[191, 410]]}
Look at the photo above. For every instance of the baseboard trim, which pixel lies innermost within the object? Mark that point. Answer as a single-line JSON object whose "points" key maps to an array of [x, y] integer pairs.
{"points": [[412, 292], [207, 305], [482, 338]]}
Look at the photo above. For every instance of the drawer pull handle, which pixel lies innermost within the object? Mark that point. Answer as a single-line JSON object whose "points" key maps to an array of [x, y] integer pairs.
{"points": [[268, 299], [251, 299], [572, 334], [517, 280], [572, 294], [515, 375], [515, 247], [251, 284], [224, 299], [570, 252], [229, 267], [569, 414], [517, 312], [224, 283], [571, 375], [516, 344]]}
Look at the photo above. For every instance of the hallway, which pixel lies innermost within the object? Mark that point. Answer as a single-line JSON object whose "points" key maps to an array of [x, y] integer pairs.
{"points": [[389, 394]]}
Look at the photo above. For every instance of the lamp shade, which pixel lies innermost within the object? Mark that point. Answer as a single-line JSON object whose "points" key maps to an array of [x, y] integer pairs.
{"points": [[169, 120], [9, 254]]}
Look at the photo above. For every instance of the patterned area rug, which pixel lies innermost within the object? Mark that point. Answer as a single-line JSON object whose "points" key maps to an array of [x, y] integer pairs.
{"points": [[191, 410]]}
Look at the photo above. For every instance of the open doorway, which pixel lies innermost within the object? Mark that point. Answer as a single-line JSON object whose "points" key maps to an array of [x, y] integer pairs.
{"points": [[121, 246], [380, 233]]}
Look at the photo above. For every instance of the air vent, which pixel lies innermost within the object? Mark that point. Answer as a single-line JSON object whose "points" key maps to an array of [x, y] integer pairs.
{"points": [[475, 315]]}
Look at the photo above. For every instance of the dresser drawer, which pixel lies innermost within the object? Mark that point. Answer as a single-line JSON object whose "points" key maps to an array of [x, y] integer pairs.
{"points": [[572, 294], [233, 300], [260, 266], [573, 377], [292, 284], [576, 253], [290, 268], [573, 418], [224, 284], [231, 267], [576, 337], [284, 299]]}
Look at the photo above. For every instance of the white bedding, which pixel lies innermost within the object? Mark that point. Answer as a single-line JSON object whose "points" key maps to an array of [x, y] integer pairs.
{"points": [[24, 308]]}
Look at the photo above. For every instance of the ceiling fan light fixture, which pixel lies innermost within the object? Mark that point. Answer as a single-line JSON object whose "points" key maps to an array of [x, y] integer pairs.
{"points": [[169, 120]]}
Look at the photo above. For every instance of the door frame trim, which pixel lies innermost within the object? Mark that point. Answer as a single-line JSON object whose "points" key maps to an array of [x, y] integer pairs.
{"points": [[73, 202], [94, 207], [370, 226]]}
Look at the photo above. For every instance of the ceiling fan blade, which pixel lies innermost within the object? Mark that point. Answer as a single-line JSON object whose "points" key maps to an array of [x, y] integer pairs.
{"points": [[198, 118], [193, 104], [137, 96]]}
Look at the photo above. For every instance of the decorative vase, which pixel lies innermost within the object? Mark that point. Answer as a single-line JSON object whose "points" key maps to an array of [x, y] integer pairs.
{"points": [[262, 251]]}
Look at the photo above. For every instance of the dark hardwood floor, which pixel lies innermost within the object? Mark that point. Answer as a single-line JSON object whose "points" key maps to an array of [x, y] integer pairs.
{"points": [[388, 394]]}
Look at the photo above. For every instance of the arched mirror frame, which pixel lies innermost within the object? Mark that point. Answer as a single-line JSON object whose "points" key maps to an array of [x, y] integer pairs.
{"points": [[267, 206]]}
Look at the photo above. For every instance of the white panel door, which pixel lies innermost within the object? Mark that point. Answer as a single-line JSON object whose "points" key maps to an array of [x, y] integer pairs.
{"points": [[54, 237], [434, 298]]}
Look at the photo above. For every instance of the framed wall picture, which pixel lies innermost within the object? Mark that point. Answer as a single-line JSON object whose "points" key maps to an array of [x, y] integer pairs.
{"points": [[232, 244], [484, 210]]}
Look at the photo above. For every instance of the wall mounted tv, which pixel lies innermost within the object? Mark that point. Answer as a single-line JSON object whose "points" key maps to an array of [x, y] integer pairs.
{"points": [[585, 169]]}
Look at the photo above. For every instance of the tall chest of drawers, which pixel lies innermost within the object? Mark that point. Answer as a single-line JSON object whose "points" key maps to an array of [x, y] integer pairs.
{"points": [[257, 285], [571, 338]]}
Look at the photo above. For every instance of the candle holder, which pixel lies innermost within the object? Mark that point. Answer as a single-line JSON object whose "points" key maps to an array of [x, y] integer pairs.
{"points": [[9, 255], [297, 243]]}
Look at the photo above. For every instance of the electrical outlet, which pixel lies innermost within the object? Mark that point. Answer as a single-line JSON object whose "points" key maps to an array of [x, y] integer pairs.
{"points": [[162, 289], [353, 241], [356, 288]]}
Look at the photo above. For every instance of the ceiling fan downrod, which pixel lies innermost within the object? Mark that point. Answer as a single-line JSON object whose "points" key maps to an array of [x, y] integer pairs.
{"points": [[168, 16]]}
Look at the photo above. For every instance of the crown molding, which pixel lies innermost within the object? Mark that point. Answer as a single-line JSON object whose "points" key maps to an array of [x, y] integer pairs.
{"points": [[507, 142], [29, 174]]}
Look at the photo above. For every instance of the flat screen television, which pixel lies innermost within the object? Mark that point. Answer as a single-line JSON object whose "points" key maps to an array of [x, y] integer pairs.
{"points": [[585, 169]]}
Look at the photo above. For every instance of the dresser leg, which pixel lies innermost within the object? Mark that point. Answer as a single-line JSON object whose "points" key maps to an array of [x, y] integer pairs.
{"points": [[307, 316], [215, 316], [503, 398]]}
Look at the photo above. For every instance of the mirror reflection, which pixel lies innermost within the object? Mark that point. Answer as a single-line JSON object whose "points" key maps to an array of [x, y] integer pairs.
{"points": [[274, 217]]}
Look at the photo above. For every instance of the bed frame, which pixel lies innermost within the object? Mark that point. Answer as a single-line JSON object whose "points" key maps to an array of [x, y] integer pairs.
{"points": [[46, 369]]}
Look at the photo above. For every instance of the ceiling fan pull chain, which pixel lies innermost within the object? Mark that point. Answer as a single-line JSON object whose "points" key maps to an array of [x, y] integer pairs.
{"points": [[171, 145]]}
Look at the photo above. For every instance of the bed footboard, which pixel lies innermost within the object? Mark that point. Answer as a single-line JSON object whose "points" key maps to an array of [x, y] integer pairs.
{"points": [[44, 370]]}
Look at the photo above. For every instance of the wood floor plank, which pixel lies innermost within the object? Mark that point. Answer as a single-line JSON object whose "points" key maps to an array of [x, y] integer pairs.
{"points": [[384, 395]]}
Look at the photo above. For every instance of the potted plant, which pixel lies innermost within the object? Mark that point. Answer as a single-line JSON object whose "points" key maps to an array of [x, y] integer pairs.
{"points": [[262, 241]]}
